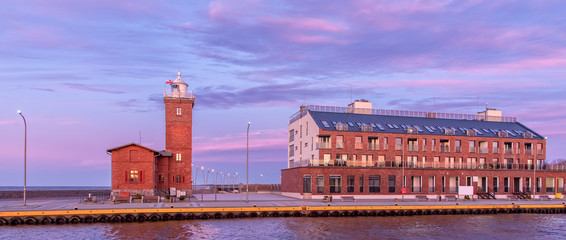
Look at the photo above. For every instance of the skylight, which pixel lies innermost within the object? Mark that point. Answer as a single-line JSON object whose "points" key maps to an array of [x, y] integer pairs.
{"points": [[325, 123]]}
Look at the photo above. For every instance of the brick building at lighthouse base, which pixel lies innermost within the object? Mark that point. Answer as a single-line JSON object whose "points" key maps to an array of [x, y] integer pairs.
{"points": [[138, 169]]}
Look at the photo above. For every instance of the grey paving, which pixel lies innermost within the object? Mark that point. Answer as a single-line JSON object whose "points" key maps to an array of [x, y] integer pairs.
{"points": [[238, 200]]}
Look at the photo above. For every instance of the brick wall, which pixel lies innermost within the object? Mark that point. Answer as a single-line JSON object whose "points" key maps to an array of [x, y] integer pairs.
{"points": [[124, 160]]}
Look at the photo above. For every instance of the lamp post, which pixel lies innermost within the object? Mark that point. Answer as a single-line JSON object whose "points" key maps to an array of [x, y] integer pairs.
{"points": [[25, 151], [247, 159], [203, 183]]}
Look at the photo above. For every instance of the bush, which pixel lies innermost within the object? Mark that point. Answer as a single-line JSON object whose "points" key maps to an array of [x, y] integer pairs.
{"points": [[167, 196], [467, 197], [138, 196], [182, 198]]}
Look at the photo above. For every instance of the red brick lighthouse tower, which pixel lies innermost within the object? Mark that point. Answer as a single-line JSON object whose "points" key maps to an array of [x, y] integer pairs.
{"points": [[179, 102]]}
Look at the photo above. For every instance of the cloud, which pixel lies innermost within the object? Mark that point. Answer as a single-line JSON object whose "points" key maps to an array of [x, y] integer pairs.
{"points": [[85, 87]]}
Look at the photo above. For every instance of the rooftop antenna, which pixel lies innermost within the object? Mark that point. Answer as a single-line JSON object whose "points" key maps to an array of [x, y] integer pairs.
{"points": [[351, 98]]}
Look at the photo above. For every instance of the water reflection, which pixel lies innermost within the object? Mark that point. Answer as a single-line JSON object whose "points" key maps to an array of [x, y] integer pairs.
{"points": [[506, 226]]}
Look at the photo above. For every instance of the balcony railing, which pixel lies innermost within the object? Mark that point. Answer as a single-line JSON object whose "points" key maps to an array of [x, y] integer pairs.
{"points": [[373, 147], [425, 165], [483, 150], [413, 148], [528, 152], [445, 149], [508, 151], [323, 145]]}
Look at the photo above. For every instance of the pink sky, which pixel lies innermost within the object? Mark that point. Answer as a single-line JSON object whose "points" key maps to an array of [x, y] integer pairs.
{"points": [[89, 76]]}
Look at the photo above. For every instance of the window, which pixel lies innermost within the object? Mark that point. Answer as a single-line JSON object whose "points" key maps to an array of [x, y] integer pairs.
{"points": [[320, 184], [495, 147], [549, 185], [424, 144], [178, 179], [398, 144], [412, 145], [391, 183], [291, 135], [445, 146], [454, 181], [325, 124], [539, 149], [307, 188], [495, 185], [443, 184], [134, 176], [385, 143], [472, 146], [431, 184], [416, 184], [539, 185], [161, 178], [358, 143], [374, 183], [307, 129], [373, 143], [300, 131], [458, 145], [291, 150], [506, 184], [362, 183], [340, 142], [335, 183], [178, 157], [324, 142], [178, 111], [351, 182]]}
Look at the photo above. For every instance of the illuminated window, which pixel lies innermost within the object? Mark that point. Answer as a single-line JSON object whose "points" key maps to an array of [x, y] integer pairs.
{"points": [[178, 179], [178, 111], [134, 176], [178, 157], [161, 178]]}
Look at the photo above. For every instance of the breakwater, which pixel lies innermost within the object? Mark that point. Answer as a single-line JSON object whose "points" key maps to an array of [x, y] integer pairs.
{"points": [[165, 214]]}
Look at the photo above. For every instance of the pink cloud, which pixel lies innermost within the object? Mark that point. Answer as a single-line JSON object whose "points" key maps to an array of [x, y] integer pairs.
{"points": [[8, 122], [261, 139], [308, 24], [301, 38]]}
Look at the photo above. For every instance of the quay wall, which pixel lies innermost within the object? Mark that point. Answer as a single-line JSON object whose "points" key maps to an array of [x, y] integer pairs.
{"points": [[165, 214]]}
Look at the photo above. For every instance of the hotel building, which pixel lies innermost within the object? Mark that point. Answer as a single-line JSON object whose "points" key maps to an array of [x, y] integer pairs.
{"points": [[374, 153]]}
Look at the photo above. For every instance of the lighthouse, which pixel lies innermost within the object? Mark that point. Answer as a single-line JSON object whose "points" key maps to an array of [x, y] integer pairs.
{"points": [[138, 169], [179, 104]]}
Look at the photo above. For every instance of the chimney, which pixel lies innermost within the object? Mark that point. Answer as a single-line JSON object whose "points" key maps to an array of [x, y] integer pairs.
{"points": [[490, 114]]}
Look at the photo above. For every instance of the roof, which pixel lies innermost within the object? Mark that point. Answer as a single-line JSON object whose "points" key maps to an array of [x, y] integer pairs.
{"points": [[130, 144], [428, 126]]}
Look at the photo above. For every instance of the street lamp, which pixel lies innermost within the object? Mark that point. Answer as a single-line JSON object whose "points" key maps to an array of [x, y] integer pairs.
{"points": [[25, 151], [203, 184], [247, 159]]}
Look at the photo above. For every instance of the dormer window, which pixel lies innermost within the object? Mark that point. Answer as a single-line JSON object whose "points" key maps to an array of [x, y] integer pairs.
{"points": [[178, 111]]}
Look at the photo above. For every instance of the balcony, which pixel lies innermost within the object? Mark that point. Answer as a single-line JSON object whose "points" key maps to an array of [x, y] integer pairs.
{"points": [[392, 164], [445, 149], [413, 148], [323, 145], [373, 147], [528, 152], [484, 150], [508, 151]]}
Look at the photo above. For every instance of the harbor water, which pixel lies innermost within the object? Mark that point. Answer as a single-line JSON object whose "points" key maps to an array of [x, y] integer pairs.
{"points": [[499, 226]]}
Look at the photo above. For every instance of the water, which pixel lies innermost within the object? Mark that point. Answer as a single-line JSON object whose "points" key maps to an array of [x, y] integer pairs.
{"points": [[500, 226], [52, 188]]}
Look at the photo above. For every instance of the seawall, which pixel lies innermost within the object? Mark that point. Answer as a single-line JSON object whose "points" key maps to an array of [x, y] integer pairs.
{"points": [[50, 193]]}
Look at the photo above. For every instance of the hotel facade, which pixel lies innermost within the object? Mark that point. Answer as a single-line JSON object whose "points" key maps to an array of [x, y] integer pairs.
{"points": [[373, 153]]}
